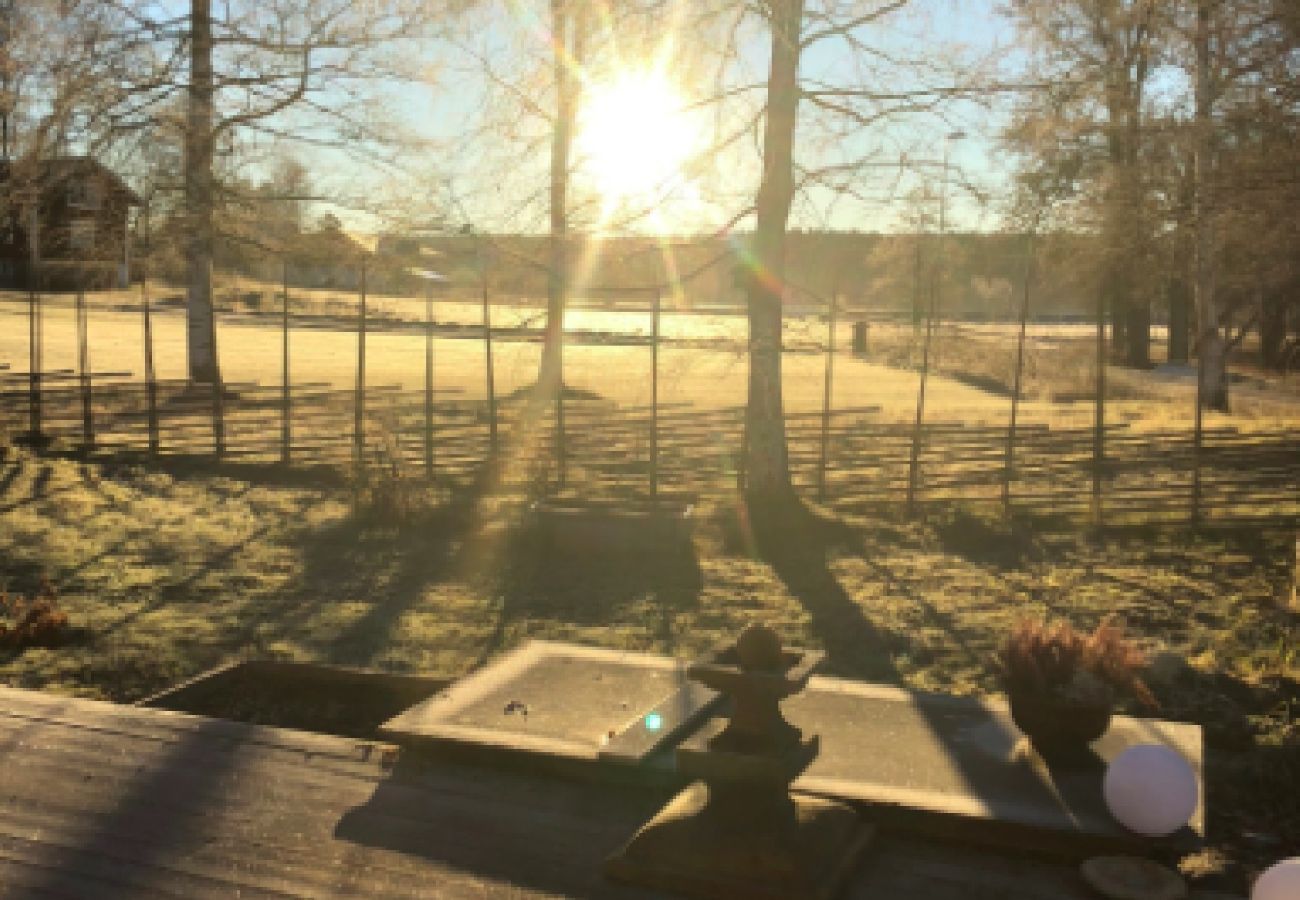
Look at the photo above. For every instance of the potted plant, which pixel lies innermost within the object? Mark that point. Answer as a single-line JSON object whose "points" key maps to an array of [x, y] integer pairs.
{"points": [[1062, 683]]}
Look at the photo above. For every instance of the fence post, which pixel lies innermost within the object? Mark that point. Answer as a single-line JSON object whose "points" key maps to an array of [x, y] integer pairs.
{"points": [[359, 404], [654, 399], [561, 450], [34, 363], [150, 378], [742, 463], [83, 370], [487, 348], [826, 398], [286, 433], [1009, 468], [916, 289], [218, 394], [1198, 437], [914, 462], [428, 379], [1099, 423]]}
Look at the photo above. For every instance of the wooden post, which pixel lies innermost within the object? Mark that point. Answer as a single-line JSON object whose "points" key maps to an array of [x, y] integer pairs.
{"points": [[286, 433], [1198, 440], [150, 377], [487, 348], [742, 475], [1210, 351], [1099, 420], [359, 403], [914, 462], [1176, 291], [916, 288], [34, 364], [428, 380], [1295, 575], [83, 372], [1009, 469], [654, 400], [826, 400], [561, 450], [218, 393]]}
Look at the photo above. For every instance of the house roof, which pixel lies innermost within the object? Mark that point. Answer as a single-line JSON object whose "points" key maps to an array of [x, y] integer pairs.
{"points": [[59, 168]]}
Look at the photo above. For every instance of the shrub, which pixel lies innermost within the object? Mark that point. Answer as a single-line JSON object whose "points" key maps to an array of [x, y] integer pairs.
{"points": [[36, 621], [384, 488], [1056, 659]]}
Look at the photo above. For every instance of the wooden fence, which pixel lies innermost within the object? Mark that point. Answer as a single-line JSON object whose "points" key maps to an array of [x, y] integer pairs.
{"points": [[594, 450]]}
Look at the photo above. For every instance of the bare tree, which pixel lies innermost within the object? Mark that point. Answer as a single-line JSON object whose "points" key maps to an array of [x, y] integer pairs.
{"points": [[847, 130], [297, 70], [814, 138], [531, 111], [1096, 59], [1242, 57]]}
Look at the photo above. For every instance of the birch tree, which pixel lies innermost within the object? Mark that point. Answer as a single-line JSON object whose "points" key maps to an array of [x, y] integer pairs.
{"points": [[823, 133]]}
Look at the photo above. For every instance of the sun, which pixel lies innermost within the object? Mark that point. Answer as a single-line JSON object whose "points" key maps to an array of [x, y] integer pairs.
{"points": [[634, 137]]}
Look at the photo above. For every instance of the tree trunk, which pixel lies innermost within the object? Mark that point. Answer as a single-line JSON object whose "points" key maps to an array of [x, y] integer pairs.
{"points": [[1211, 351], [1272, 330], [1138, 332], [568, 28], [767, 466], [200, 321], [1180, 320], [1130, 317], [1118, 319]]}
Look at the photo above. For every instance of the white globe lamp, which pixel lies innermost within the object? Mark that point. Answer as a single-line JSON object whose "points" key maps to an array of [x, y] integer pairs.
{"points": [[1279, 882], [1150, 789]]}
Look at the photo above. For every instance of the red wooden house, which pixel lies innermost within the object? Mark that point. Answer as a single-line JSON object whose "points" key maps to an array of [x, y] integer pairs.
{"points": [[65, 220]]}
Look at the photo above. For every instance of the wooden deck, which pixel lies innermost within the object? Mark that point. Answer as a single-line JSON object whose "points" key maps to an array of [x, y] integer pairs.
{"points": [[103, 801]]}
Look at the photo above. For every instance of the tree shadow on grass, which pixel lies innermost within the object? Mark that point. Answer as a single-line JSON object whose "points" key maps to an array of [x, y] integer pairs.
{"points": [[639, 580], [12, 470], [40, 491], [797, 544], [993, 541], [390, 567]]}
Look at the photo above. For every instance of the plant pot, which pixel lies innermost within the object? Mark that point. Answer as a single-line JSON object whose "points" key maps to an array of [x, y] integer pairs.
{"points": [[1059, 727]]}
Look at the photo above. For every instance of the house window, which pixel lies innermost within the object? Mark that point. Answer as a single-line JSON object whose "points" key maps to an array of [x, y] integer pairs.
{"points": [[81, 235], [83, 193]]}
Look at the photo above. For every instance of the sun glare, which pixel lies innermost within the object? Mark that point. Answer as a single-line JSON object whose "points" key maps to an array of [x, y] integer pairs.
{"points": [[634, 137]]}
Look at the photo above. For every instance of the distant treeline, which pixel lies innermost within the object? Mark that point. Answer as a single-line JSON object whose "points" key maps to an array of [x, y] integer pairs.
{"points": [[974, 275], [967, 275]]}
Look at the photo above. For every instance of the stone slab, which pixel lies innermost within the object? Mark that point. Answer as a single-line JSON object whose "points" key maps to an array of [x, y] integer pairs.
{"points": [[929, 755], [939, 764], [580, 703]]}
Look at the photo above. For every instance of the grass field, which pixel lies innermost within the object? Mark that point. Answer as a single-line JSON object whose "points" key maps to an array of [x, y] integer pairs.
{"points": [[167, 570], [973, 363], [165, 575]]}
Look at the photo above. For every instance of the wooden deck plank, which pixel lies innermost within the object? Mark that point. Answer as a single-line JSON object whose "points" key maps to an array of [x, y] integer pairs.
{"points": [[105, 801]]}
